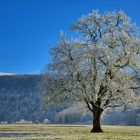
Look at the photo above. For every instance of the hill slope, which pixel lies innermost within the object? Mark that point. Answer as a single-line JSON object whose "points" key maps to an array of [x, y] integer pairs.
{"points": [[20, 98]]}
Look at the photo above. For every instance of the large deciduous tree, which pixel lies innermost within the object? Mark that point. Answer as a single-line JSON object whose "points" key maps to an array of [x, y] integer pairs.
{"points": [[97, 67]]}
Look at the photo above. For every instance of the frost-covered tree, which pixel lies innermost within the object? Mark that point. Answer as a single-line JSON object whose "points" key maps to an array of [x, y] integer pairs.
{"points": [[97, 67]]}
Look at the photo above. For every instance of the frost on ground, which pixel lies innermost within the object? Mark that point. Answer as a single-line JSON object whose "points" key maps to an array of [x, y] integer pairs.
{"points": [[69, 132]]}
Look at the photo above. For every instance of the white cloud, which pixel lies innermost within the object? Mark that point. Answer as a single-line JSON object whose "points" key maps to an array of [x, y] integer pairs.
{"points": [[4, 73]]}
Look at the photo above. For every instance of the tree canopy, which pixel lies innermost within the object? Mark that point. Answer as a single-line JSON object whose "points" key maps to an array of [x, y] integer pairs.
{"points": [[98, 66]]}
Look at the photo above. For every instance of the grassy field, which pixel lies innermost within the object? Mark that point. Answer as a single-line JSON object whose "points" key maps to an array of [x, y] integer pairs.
{"points": [[67, 132]]}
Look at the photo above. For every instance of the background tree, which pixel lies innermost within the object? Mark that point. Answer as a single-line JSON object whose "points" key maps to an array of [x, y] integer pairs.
{"points": [[97, 68]]}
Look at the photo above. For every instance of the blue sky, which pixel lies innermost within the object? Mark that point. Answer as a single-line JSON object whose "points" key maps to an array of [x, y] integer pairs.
{"points": [[28, 28]]}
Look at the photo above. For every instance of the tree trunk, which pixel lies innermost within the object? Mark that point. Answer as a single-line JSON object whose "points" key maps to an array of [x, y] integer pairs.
{"points": [[96, 121]]}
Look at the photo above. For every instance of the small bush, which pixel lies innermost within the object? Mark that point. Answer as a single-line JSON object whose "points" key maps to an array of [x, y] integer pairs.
{"points": [[46, 121]]}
